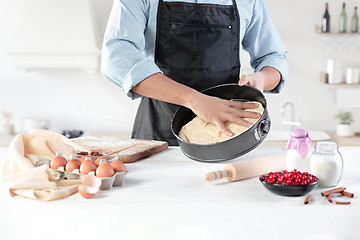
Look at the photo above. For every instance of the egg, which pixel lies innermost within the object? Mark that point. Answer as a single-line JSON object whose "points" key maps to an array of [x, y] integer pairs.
{"points": [[118, 166], [90, 185], [58, 161], [72, 165], [86, 191], [97, 161], [91, 181], [104, 169], [82, 159], [87, 166]]}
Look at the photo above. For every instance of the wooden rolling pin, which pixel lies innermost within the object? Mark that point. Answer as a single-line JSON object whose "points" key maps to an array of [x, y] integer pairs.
{"points": [[249, 168]]}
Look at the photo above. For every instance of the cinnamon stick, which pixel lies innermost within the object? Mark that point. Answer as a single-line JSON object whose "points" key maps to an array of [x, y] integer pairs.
{"points": [[343, 203], [307, 199], [347, 194], [328, 197], [331, 191]]}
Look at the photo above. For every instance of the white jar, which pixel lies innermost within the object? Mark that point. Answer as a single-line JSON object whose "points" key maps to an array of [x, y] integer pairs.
{"points": [[326, 164], [298, 151]]}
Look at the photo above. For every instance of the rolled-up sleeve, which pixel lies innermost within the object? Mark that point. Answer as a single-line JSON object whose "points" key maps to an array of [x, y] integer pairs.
{"points": [[264, 44], [122, 60]]}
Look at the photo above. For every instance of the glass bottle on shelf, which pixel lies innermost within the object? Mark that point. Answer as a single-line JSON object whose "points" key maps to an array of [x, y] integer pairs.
{"points": [[355, 22], [343, 20], [325, 23]]}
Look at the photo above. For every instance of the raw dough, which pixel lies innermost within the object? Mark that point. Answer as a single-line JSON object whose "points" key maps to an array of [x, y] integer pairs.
{"points": [[200, 132]]}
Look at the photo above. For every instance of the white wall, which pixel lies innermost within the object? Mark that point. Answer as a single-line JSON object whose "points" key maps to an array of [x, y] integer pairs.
{"points": [[69, 99], [72, 99], [308, 51]]}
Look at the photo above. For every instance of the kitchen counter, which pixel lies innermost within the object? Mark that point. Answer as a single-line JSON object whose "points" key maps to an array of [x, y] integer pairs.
{"points": [[346, 141], [167, 197], [341, 141]]}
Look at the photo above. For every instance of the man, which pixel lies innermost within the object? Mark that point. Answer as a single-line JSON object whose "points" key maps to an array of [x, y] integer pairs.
{"points": [[167, 52]]}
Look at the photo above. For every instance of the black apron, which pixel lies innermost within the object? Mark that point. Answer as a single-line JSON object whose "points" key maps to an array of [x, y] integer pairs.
{"points": [[196, 45]]}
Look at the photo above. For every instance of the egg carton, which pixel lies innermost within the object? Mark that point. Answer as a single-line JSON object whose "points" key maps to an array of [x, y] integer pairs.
{"points": [[107, 183], [116, 180]]}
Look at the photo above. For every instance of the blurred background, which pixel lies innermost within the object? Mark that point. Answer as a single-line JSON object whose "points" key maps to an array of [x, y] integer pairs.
{"points": [[54, 81]]}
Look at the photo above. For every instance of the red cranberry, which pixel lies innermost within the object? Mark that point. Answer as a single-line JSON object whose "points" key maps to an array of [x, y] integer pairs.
{"points": [[290, 178]]}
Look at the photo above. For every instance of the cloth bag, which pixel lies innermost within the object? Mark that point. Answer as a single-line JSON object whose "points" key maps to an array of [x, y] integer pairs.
{"points": [[24, 179]]}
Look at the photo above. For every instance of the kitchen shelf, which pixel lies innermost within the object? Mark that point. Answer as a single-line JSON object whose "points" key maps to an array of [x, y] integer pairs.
{"points": [[338, 34], [342, 85], [317, 30]]}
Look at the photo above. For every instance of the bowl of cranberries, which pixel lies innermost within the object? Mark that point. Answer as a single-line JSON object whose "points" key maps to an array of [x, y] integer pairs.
{"points": [[286, 183]]}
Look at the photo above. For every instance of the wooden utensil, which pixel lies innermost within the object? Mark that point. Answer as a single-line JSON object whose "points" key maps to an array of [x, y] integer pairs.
{"points": [[249, 168], [143, 149], [121, 149], [130, 150]]}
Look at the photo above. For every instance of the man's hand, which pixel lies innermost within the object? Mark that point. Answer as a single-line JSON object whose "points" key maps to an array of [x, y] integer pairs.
{"points": [[266, 79], [253, 80], [218, 111]]}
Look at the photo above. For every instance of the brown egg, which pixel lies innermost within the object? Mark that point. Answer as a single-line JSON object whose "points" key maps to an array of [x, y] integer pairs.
{"points": [[86, 192], [58, 161], [72, 165], [104, 169], [82, 159], [89, 186], [118, 166], [97, 161], [87, 166], [91, 181]]}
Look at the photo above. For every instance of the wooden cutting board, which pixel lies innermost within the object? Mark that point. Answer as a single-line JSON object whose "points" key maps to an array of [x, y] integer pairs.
{"points": [[130, 150]]}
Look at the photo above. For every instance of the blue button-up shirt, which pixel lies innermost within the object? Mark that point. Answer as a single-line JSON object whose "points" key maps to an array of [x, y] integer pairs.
{"points": [[129, 41]]}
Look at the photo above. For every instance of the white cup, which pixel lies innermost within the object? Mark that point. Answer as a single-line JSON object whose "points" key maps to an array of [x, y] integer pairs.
{"points": [[352, 75], [333, 68], [29, 123]]}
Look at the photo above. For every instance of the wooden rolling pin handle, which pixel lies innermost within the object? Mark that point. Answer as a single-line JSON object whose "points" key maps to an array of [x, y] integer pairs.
{"points": [[249, 168], [211, 176]]}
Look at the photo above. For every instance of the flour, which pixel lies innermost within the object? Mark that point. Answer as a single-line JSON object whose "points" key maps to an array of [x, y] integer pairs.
{"points": [[108, 144]]}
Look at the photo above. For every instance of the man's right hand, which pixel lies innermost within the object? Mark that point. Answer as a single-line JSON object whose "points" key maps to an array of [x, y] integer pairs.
{"points": [[218, 111]]}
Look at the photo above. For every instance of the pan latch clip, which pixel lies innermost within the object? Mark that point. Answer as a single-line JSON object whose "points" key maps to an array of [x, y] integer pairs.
{"points": [[262, 130]]}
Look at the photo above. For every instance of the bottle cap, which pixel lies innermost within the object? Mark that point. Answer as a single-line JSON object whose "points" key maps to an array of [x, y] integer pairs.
{"points": [[326, 146]]}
